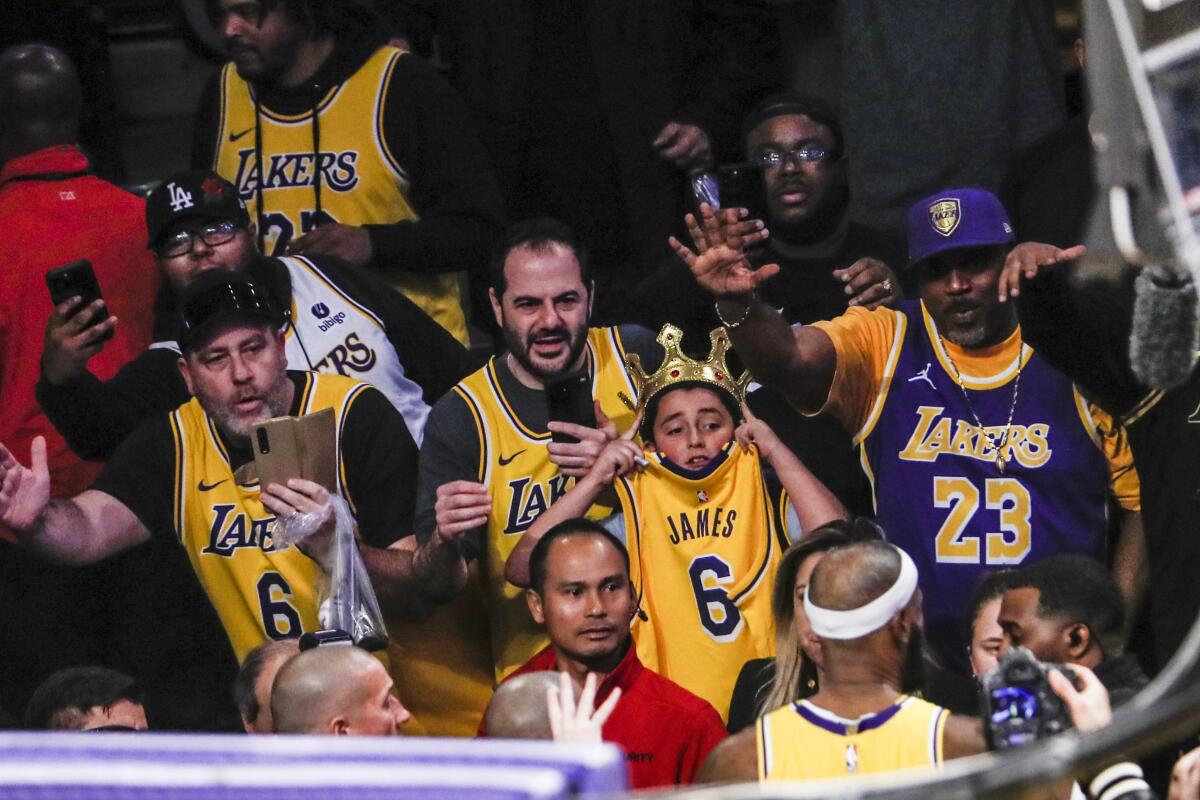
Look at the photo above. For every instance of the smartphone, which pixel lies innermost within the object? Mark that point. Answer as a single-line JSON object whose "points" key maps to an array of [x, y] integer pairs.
{"points": [[77, 279], [741, 186], [296, 447], [569, 399]]}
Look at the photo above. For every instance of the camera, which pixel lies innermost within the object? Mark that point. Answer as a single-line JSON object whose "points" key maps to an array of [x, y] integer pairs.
{"points": [[1018, 704], [325, 638]]}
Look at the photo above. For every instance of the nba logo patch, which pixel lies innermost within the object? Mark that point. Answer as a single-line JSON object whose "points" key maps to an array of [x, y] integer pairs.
{"points": [[944, 215]]}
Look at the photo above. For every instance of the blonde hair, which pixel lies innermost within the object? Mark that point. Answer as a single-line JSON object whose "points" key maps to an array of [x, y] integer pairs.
{"points": [[796, 677]]}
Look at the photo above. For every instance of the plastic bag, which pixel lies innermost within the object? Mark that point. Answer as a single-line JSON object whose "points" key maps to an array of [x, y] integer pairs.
{"points": [[347, 599]]}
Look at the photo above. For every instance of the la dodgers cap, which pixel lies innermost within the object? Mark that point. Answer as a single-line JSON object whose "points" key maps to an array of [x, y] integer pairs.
{"points": [[219, 296], [954, 219], [194, 194]]}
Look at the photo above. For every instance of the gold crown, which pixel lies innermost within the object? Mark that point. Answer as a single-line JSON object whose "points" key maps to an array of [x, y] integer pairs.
{"points": [[677, 368]]}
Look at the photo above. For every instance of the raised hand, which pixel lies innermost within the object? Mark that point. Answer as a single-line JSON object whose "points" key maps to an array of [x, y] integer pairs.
{"points": [[719, 263], [725, 226], [70, 341], [686, 146], [1026, 259], [461, 506], [619, 457], [24, 491], [753, 431], [582, 722], [869, 282]]}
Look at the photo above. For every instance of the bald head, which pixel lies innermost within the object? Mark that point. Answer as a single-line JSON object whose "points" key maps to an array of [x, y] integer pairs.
{"points": [[518, 707], [334, 689], [40, 99], [852, 576]]}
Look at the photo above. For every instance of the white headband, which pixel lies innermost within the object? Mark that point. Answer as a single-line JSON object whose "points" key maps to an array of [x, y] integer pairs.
{"points": [[858, 622]]}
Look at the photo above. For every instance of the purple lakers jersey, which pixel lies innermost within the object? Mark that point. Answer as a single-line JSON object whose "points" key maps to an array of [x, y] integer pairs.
{"points": [[940, 492]]}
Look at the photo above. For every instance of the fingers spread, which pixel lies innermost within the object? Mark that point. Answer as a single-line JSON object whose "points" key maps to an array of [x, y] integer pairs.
{"points": [[686, 255]]}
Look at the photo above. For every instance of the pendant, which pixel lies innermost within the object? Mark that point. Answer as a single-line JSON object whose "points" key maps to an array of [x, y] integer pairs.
{"points": [[1000, 462]]}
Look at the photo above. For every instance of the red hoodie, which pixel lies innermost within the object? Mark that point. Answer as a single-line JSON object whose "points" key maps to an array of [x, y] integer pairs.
{"points": [[52, 211]]}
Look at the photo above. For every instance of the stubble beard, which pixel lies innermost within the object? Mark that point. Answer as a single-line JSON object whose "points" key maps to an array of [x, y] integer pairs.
{"points": [[237, 427]]}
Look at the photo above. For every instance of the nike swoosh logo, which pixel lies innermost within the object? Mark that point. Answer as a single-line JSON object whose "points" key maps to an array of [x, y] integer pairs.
{"points": [[504, 462], [206, 487], [233, 137]]}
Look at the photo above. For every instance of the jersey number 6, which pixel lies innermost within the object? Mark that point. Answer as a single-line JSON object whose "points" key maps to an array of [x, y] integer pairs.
{"points": [[279, 619], [718, 615]]}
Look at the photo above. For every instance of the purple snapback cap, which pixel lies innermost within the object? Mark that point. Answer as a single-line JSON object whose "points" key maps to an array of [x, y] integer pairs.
{"points": [[954, 219]]}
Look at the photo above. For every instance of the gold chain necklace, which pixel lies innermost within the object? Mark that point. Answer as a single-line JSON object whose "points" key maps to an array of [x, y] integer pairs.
{"points": [[1001, 459]]}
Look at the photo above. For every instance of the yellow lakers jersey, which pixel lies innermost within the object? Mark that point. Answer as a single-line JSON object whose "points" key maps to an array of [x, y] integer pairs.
{"points": [[258, 592], [515, 466], [704, 546], [803, 741], [361, 183]]}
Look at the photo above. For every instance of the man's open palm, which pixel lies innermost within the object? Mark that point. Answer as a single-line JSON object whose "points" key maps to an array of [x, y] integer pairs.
{"points": [[24, 491]]}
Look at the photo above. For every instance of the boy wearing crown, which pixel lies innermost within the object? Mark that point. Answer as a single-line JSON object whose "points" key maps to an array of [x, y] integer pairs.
{"points": [[704, 518]]}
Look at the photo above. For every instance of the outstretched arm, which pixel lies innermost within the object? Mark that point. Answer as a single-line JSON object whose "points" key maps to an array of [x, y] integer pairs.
{"points": [[815, 505], [81, 530], [799, 361]]}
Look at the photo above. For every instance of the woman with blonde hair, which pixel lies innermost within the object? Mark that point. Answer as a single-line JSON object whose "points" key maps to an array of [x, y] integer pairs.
{"points": [[765, 684]]}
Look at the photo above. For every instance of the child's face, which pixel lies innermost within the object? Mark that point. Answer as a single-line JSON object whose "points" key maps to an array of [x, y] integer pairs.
{"points": [[691, 427]]}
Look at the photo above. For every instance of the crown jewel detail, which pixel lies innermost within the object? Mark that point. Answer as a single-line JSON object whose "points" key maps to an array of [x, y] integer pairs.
{"points": [[677, 368]]}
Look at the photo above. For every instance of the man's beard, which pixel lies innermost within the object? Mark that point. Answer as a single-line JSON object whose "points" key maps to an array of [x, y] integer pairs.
{"points": [[237, 427], [520, 349], [912, 672]]}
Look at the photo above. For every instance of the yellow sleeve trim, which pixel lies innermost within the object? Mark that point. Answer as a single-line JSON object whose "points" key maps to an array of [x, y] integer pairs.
{"points": [[480, 430], [885, 380], [1124, 482], [865, 344], [1142, 408]]}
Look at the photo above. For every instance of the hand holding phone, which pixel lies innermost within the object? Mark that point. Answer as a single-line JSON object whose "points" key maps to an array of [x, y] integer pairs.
{"points": [[78, 326], [569, 399], [77, 279]]}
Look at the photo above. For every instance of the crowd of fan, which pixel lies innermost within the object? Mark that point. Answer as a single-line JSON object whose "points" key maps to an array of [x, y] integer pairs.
{"points": [[798, 520]]}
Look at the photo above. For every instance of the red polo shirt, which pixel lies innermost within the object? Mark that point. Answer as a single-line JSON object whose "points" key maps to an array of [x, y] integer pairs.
{"points": [[665, 730], [53, 211]]}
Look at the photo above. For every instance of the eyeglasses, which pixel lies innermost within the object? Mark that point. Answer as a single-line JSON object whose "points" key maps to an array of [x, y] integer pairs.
{"points": [[809, 155], [182, 242]]}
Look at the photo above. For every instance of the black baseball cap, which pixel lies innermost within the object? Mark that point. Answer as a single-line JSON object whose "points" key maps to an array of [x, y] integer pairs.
{"points": [[195, 194], [219, 296]]}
